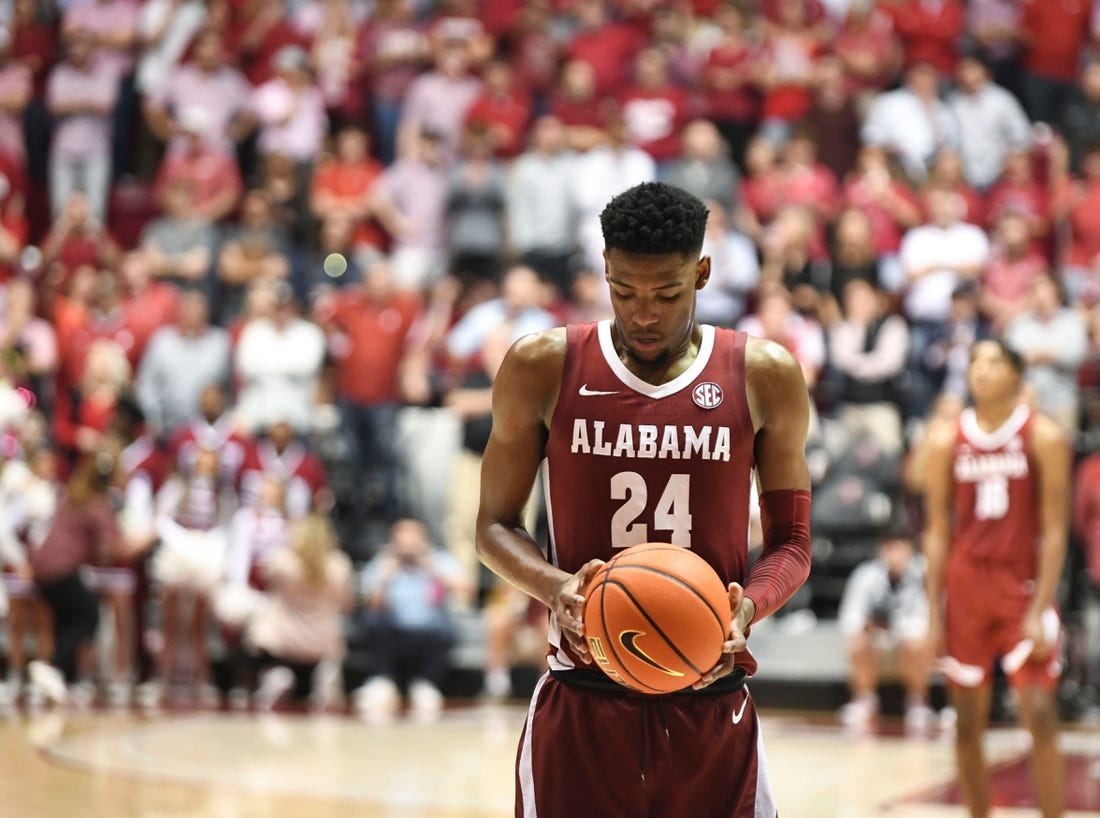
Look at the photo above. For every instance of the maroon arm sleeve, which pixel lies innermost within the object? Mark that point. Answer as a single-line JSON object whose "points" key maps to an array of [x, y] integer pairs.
{"points": [[785, 563]]}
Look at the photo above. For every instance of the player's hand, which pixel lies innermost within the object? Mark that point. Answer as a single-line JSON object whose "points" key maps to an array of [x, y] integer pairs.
{"points": [[1032, 630], [744, 610], [568, 607]]}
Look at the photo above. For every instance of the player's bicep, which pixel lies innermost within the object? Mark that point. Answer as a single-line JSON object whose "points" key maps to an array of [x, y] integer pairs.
{"points": [[780, 398], [1051, 452], [516, 443], [939, 482]]}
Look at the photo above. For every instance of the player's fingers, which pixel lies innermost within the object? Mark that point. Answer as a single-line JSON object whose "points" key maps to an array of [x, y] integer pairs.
{"points": [[737, 594]]}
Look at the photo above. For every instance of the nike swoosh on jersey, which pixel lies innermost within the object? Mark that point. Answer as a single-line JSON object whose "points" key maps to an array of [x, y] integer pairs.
{"points": [[629, 640], [737, 715], [586, 392]]}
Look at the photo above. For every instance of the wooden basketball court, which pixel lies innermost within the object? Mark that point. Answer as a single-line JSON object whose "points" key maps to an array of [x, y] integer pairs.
{"points": [[219, 765]]}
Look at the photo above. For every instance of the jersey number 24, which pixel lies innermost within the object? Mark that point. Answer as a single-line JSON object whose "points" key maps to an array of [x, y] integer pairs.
{"points": [[672, 512]]}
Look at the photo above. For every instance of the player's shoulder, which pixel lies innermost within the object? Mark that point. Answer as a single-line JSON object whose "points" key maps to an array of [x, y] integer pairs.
{"points": [[1046, 432], [539, 348], [768, 363]]}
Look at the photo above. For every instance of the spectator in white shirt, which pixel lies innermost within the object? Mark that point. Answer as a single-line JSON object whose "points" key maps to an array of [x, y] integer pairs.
{"points": [[278, 363], [989, 120], [911, 122]]}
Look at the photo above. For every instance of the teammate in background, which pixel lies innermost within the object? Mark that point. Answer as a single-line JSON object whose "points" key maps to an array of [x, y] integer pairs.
{"points": [[647, 426], [997, 514]]}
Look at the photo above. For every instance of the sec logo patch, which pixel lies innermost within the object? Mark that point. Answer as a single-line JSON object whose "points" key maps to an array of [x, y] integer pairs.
{"points": [[707, 395]]}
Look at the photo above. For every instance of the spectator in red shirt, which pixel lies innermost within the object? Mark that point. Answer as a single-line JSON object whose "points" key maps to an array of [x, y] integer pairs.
{"points": [[930, 30], [727, 80], [653, 108], [83, 414], [762, 188], [891, 207], [260, 30], [147, 304], [868, 48], [1014, 265], [1079, 205], [208, 169], [833, 120], [503, 109], [581, 110], [809, 184], [393, 50], [76, 238], [1054, 35], [792, 43], [608, 45], [946, 173], [1019, 189], [367, 328], [342, 185], [13, 223]]}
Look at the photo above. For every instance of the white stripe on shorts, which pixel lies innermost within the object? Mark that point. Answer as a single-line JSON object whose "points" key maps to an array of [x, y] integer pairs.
{"points": [[765, 803], [526, 770]]}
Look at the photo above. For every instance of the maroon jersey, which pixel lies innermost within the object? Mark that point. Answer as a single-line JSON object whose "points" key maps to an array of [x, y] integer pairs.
{"points": [[629, 462], [302, 473], [996, 493], [223, 436]]}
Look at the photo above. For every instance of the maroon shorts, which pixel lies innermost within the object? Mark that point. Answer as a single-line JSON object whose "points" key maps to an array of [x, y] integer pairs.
{"points": [[986, 604], [622, 755]]}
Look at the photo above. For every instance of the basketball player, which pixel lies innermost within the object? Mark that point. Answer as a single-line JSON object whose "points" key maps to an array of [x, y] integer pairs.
{"points": [[647, 426], [995, 537]]}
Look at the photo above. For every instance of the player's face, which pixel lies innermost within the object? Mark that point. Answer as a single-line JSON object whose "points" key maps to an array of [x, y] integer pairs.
{"points": [[991, 376], [653, 298]]}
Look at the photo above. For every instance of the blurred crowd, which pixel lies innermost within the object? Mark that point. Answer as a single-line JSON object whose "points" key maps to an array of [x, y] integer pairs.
{"points": [[259, 262]]}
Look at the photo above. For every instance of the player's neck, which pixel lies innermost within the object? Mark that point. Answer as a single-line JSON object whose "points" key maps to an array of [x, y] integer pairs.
{"points": [[992, 415], [668, 367]]}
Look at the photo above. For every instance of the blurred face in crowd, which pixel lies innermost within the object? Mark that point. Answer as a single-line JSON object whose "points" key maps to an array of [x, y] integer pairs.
{"points": [[1018, 167], [853, 231], [255, 210], [193, 311], [947, 167], [578, 80], [651, 68], [861, 302], [760, 156], [944, 207], [521, 289], [548, 135], [991, 375], [212, 402], [731, 20], [209, 55], [281, 434], [971, 75], [352, 145], [1090, 164], [134, 270], [378, 281], [1013, 233], [78, 48], [1046, 300], [773, 311], [43, 464], [922, 80], [792, 13], [701, 140], [409, 541], [454, 58], [896, 554]]}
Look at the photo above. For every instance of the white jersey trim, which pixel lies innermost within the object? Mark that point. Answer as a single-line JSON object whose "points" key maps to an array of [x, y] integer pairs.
{"points": [[998, 437], [559, 660], [765, 801], [526, 766], [681, 381]]}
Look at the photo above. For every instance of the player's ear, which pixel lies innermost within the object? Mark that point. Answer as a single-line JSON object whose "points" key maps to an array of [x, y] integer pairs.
{"points": [[702, 272]]}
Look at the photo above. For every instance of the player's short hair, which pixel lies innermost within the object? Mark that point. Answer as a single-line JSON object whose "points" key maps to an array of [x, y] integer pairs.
{"points": [[1011, 354], [653, 219]]}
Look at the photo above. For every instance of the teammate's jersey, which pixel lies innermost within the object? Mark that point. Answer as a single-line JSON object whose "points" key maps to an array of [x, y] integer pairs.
{"points": [[996, 492], [629, 462]]}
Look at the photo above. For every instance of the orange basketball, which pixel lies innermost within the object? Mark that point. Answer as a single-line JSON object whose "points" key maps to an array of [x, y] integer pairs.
{"points": [[655, 617]]}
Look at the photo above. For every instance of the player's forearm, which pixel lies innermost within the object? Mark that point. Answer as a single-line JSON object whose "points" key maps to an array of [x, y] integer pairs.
{"points": [[935, 554], [1052, 558], [784, 565], [511, 554]]}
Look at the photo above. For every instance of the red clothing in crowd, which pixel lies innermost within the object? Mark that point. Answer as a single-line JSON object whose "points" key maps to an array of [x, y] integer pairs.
{"points": [[1084, 220], [85, 534], [370, 344], [208, 173], [302, 473], [610, 51], [929, 31], [223, 436], [1009, 279], [1086, 513], [728, 90], [886, 231], [505, 115], [74, 410], [146, 312], [351, 183], [655, 117], [1056, 31]]}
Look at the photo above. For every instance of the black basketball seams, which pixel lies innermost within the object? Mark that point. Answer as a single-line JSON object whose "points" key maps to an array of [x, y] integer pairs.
{"points": [[722, 626], [650, 620], [612, 643]]}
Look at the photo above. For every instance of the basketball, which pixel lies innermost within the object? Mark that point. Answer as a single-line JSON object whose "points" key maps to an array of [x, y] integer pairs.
{"points": [[655, 617]]}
